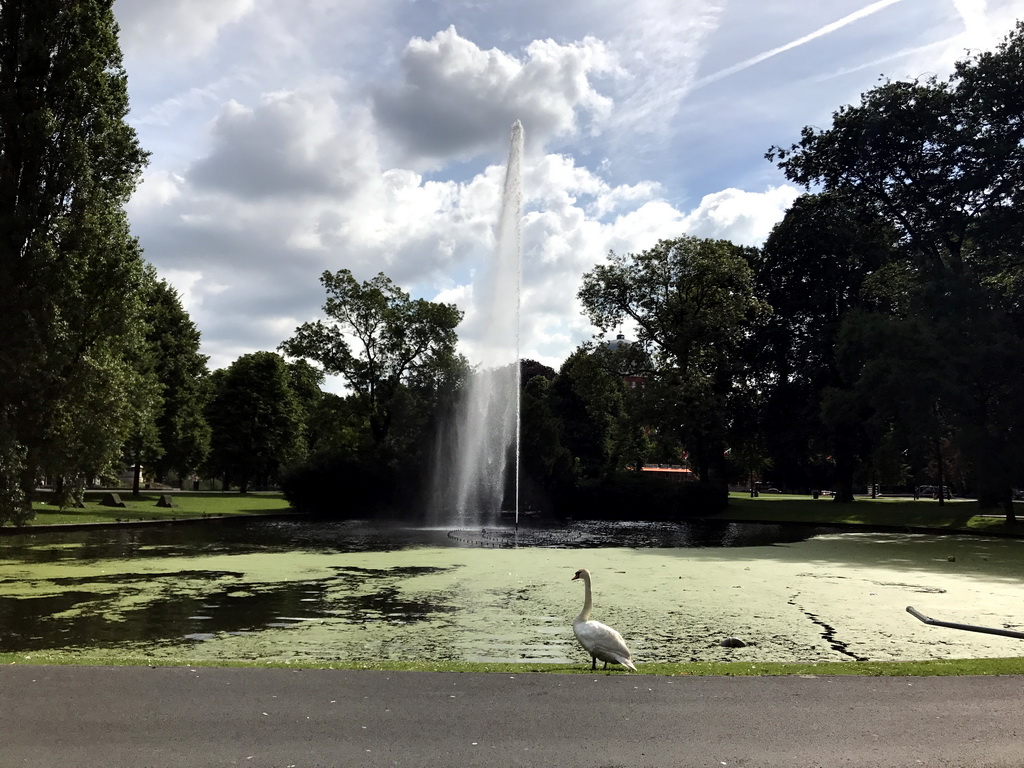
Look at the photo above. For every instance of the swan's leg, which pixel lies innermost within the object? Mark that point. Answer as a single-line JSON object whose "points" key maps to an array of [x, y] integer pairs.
{"points": [[606, 665], [593, 662]]}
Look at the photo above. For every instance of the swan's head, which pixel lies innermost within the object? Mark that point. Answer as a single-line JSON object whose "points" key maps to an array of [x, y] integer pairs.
{"points": [[582, 573]]}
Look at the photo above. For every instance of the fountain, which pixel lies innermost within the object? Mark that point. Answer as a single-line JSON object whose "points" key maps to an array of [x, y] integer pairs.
{"points": [[475, 453]]}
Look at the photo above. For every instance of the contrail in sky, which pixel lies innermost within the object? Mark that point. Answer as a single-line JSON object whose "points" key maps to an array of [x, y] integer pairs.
{"points": [[820, 32]]}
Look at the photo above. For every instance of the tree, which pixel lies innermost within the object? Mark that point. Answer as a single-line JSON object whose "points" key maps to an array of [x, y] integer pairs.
{"points": [[899, 390], [546, 466], [812, 271], [70, 272], [183, 436], [255, 420], [382, 342], [603, 418], [587, 400], [305, 382], [943, 162], [143, 443], [169, 432], [692, 303]]}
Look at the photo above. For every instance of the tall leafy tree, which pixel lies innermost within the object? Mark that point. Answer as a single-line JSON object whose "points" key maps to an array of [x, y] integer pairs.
{"points": [[587, 399], [943, 162], [173, 341], [812, 271], [692, 303], [603, 418], [305, 381], [70, 272], [256, 421], [384, 344]]}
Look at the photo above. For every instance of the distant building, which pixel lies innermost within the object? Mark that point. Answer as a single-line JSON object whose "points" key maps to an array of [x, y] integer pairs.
{"points": [[621, 343]]}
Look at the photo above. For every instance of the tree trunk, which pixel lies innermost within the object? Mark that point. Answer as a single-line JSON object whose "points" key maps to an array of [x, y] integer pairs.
{"points": [[28, 488], [939, 473], [136, 478], [844, 474]]}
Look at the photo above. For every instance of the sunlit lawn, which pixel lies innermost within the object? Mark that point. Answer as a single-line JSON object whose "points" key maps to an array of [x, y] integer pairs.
{"points": [[143, 507], [952, 515]]}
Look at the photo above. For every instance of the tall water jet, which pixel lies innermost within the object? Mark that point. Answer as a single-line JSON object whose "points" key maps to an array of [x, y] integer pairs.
{"points": [[482, 443]]}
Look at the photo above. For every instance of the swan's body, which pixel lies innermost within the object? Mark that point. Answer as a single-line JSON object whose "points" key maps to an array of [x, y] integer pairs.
{"points": [[599, 640]]}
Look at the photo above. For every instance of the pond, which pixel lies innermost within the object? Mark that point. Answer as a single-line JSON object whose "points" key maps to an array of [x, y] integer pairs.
{"points": [[362, 592]]}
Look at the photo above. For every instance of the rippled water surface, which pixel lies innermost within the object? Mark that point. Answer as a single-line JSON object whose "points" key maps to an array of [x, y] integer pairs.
{"points": [[352, 591]]}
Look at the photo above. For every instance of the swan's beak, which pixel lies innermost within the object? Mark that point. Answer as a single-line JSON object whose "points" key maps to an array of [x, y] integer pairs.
{"points": [[574, 577]]}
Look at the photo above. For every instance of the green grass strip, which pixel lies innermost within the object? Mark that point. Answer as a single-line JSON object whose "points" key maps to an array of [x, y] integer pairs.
{"points": [[939, 667]]}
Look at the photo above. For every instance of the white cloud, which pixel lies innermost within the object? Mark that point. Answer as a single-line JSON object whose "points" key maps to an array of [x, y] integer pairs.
{"points": [[184, 281], [455, 99], [745, 218], [175, 28], [158, 188], [291, 144], [422, 233]]}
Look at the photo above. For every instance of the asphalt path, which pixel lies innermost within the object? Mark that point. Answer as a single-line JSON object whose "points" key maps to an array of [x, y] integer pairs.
{"points": [[166, 717]]}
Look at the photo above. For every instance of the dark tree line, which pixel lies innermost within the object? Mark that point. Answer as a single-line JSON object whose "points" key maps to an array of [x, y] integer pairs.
{"points": [[918, 211]]}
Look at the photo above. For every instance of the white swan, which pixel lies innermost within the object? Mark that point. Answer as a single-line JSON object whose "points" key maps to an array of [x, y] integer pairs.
{"points": [[599, 640]]}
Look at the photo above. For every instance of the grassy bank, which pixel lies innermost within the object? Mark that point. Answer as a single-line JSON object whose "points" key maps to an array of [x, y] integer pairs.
{"points": [[947, 667], [143, 507], [952, 516]]}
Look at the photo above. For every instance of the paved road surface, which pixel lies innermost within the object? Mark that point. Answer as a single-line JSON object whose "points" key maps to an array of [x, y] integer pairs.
{"points": [[132, 717]]}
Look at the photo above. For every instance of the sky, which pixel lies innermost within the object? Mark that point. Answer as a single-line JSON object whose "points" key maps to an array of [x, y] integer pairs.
{"points": [[290, 137]]}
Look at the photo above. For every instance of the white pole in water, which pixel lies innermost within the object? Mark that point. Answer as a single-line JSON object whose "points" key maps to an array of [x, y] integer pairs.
{"points": [[517, 127], [519, 402]]}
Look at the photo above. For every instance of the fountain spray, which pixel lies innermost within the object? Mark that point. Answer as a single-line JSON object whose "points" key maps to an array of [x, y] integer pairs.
{"points": [[472, 466]]}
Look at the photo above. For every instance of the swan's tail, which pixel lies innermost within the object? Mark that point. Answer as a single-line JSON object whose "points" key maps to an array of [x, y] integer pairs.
{"points": [[626, 663]]}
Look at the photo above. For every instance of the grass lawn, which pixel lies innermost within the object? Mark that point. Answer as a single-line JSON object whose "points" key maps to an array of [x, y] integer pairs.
{"points": [[955, 515], [188, 504]]}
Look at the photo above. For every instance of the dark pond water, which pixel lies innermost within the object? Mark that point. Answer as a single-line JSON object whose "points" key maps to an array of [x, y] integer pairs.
{"points": [[365, 536]]}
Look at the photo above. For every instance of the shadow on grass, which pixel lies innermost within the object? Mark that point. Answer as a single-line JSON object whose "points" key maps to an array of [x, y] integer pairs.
{"points": [[952, 516]]}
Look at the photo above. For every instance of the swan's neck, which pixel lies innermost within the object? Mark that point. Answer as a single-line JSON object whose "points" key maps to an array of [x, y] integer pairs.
{"points": [[588, 602]]}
